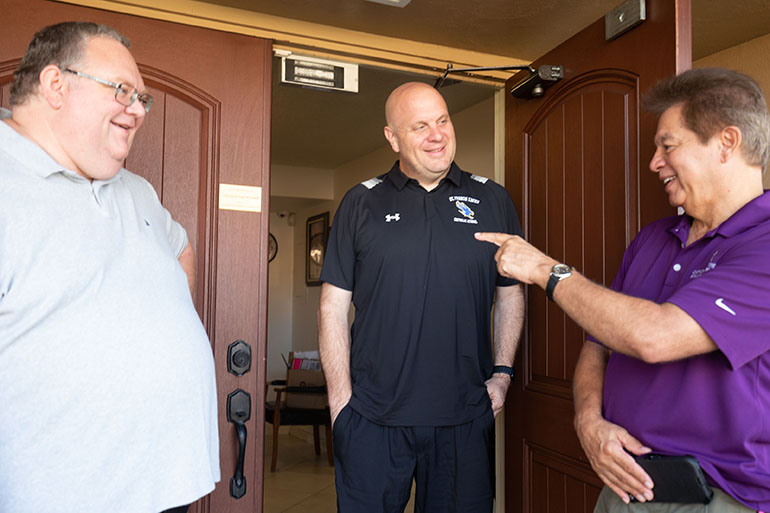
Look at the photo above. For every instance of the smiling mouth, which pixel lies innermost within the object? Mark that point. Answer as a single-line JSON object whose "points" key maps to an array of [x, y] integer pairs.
{"points": [[667, 180]]}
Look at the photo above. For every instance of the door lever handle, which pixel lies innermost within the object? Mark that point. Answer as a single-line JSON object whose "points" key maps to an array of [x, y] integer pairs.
{"points": [[238, 412]]}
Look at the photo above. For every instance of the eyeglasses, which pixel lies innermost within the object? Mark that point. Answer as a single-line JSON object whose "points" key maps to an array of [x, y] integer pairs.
{"points": [[123, 94]]}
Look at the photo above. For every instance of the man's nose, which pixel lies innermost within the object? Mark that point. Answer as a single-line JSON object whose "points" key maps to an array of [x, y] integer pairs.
{"points": [[657, 161], [435, 133], [137, 109]]}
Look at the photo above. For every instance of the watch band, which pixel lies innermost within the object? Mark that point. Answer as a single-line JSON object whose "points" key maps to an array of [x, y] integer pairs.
{"points": [[503, 369], [552, 281]]}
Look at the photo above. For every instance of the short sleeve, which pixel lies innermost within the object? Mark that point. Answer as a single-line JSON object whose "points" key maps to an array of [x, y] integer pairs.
{"points": [[177, 235], [175, 232], [512, 227], [340, 259]]}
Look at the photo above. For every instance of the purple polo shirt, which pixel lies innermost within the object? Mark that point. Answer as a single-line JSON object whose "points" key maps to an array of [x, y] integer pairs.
{"points": [[714, 406]]}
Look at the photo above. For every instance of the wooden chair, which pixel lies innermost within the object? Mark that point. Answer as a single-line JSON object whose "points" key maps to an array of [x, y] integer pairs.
{"points": [[281, 412]]}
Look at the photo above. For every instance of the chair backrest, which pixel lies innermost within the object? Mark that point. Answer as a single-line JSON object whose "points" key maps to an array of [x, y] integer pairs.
{"points": [[313, 397]]}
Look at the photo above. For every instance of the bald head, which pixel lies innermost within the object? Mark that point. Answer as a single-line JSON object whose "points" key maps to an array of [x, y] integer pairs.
{"points": [[401, 97], [420, 131]]}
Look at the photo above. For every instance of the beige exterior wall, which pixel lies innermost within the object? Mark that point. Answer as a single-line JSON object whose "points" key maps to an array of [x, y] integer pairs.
{"points": [[750, 58]]}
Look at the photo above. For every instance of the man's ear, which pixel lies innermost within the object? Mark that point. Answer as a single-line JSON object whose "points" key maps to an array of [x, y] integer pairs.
{"points": [[390, 135], [730, 138], [52, 86]]}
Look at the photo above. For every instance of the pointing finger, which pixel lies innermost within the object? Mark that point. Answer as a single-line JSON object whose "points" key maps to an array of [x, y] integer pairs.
{"points": [[494, 238]]}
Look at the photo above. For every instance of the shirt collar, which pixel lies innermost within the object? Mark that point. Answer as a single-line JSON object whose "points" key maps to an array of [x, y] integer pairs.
{"points": [[25, 151], [400, 180], [751, 214]]}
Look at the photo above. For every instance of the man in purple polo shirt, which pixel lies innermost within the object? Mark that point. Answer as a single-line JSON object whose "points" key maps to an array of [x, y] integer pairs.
{"points": [[679, 360]]}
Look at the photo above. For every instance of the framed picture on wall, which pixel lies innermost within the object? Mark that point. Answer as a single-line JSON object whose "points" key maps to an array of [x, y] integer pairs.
{"points": [[317, 233]]}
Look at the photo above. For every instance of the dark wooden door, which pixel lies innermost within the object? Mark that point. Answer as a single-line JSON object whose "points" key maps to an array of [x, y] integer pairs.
{"points": [[209, 125], [576, 165]]}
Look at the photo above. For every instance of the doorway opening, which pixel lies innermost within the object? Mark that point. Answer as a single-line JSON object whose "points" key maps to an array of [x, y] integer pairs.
{"points": [[324, 143]]}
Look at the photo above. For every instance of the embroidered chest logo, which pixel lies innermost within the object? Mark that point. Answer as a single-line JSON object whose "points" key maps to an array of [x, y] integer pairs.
{"points": [[462, 202], [465, 210], [697, 273], [392, 217]]}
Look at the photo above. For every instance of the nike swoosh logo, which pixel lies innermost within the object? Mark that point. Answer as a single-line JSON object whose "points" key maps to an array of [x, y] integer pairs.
{"points": [[721, 304]]}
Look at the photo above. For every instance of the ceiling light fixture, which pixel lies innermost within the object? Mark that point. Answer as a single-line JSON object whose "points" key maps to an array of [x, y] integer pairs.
{"points": [[394, 3], [319, 73]]}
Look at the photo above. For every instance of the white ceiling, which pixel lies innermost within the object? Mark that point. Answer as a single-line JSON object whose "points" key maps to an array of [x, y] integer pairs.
{"points": [[326, 129]]}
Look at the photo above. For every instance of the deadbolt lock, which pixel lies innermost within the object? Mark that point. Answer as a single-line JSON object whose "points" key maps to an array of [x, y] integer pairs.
{"points": [[239, 358]]}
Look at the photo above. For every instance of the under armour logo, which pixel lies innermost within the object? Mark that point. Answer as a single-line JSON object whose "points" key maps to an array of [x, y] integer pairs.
{"points": [[392, 217]]}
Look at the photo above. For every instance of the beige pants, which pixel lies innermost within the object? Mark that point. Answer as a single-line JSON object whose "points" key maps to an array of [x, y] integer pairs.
{"points": [[609, 502]]}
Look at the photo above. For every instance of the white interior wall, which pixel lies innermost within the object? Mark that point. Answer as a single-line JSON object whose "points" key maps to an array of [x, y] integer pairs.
{"points": [[279, 312]]}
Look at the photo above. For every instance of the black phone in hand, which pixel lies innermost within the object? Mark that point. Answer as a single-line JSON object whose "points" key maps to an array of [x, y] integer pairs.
{"points": [[676, 478]]}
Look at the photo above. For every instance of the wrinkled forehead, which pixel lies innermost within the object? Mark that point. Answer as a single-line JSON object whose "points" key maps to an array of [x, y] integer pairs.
{"points": [[671, 123], [109, 59], [419, 104]]}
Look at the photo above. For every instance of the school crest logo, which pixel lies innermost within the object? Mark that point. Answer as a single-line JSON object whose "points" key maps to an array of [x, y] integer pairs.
{"points": [[465, 210]]}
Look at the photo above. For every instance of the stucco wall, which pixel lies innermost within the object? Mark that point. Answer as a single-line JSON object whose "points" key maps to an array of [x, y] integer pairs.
{"points": [[750, 58]]}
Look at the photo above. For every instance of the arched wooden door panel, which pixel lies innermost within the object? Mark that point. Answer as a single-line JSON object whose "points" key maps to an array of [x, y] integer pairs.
{"points": [[576, 165], [581, 200], [582, 205]]}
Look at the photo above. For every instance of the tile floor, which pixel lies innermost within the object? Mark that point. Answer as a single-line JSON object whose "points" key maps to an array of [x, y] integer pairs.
{"points": [[302, 482]]}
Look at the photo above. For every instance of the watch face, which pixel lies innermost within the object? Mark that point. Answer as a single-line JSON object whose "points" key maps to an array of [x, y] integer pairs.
{"points": [[561, 270]]}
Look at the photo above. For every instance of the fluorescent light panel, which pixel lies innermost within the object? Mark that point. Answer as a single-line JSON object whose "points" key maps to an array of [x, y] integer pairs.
{"points": [[394, 3], [314, 72]]}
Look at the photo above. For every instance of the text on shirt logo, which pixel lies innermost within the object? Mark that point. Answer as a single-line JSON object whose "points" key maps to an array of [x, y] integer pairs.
{"points": [[697, 273], [392, 217], [466, 211]]}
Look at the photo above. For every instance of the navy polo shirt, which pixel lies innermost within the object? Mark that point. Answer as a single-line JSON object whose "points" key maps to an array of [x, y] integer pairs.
{"points": [[423, 289]]}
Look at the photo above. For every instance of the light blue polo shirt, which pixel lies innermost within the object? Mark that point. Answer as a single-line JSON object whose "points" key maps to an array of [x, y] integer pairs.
{"points": [[107, 387]]}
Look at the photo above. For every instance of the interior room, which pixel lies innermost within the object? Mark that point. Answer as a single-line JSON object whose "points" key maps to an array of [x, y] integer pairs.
{"points": [[324, 142]]}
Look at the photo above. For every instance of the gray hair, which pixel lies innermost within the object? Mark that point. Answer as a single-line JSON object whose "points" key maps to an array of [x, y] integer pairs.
{"points": [[62, 45], [714, 98]]}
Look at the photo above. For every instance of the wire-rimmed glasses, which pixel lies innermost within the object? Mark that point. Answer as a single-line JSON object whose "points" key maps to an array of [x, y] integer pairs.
{"points": [[124, 95]]}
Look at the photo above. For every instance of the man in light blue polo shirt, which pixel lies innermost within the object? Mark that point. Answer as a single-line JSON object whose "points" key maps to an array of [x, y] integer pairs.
{"points": [[679, 360], [107, 390]]}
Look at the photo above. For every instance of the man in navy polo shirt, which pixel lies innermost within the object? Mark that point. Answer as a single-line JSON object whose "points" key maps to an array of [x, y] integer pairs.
{"points": [[681, 344], [415, 385]]}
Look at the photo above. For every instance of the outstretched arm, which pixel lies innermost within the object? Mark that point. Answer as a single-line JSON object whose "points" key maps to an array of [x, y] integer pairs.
{"points": [[637, 327]]}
